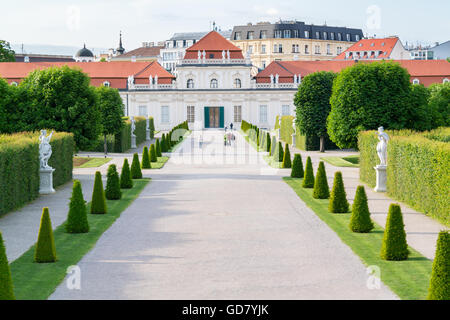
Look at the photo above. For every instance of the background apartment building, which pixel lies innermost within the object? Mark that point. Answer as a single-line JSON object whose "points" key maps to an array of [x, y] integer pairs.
{"points": [[292, 40]]}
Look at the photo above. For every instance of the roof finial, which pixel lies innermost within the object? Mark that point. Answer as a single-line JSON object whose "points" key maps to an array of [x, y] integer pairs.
{"points": [[120, 49]]}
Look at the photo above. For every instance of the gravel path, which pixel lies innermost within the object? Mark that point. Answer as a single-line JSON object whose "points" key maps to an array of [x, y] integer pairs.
{"points": [[221, 225]]}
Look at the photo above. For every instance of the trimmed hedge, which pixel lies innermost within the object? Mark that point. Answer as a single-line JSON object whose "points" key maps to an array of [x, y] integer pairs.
{"points": [[125, 176], [439, 283], [77, 221], [287, 157], [308, 181], [98, 203], [122, 140], [360, 220], [136, 172], [297, 167], [338, 197], [418, 169], [394, 245], [321, 189], [19, 166], [112, 191], [45, 250]]}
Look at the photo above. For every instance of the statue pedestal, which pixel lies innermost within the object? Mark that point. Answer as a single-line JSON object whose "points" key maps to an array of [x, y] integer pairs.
{"points": [[147, 135], [133, 142], [293, 140], [381, 178], [46, 181]]}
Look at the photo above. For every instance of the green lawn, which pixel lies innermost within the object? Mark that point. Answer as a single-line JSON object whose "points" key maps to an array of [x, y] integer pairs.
{"points": [[160, 163], [409, 279], [37, 281], [350, 161], [274, 164], [83, 162]]}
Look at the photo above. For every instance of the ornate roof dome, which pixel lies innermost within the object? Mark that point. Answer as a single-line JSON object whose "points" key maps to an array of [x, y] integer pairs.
{"points": [[83, 52]]}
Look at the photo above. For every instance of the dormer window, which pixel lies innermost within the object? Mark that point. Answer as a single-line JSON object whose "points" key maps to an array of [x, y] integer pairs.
{"points": [[445, 80], [214, 84], [237, 36], [416, 81], [250, 35], [14, 84], [357, 37], [106, 84], [348, 37]]}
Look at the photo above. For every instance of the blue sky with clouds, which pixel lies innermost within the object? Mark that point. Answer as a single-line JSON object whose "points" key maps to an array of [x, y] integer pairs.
{"points": [[97, 22]]}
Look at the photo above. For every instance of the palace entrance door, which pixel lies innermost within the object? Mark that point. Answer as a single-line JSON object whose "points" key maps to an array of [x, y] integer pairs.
{"points": [[214, 117]]}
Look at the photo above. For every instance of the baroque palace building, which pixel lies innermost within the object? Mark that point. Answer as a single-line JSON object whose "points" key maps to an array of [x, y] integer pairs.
{"points": [[292, 40]]}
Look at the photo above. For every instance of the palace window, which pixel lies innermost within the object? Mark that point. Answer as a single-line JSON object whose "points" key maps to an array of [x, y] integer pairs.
{"points": [[277, 33], [263, 114], [295, 33], [190, 114], [348, 37], [416, 81], [263, 64], [237, 83], [237, 113], [306, 49], [285, 110], [106, 84], [307, 34], [237, 36], [287, 33], [295, 48], [317, 49], [328, 49], [190, 84], [250, 49], [263, 48], [277, 48], [142, 111], [250, 35], [214, 84], [339, 50], [165, 114], [317, 35], [325, 36], [331, 35], [263, 34]]}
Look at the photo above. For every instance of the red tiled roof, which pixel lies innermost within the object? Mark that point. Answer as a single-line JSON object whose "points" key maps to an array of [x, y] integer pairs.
{"points": [[213, 44], [384, 45], [97, 71], [143, 52]]}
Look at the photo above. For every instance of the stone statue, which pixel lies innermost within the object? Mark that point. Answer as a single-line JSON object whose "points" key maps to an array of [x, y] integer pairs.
{"points": [[382, 146], [133, 127], [228, 54], [150, 79], [271, 78], [223, 54], [294, 126], [130, 81], [45, 149], [156, 79], [277, 77], [199, 54], [204, 54]]}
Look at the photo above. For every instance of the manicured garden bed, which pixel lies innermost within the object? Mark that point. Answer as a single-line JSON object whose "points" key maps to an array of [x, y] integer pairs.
{"points": [[160, 163], [83, 162], [349, 161]]}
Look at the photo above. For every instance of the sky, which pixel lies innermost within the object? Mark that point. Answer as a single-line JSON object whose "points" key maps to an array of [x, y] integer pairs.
{"points": [[98, 22]]}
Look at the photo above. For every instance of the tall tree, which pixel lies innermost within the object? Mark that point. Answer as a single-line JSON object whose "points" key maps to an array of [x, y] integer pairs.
{"points": [[111, 107], [6, 53], [313, 104]]}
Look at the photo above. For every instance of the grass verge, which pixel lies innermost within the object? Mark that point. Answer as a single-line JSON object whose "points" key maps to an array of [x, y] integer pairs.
{"points": [[408, 279], [274, 164], [81, 162], [37, 281], [175, 147], [159, 164], [350, 161]]}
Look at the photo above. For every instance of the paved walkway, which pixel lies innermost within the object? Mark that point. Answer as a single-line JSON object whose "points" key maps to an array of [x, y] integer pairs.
{"points": [[220, 224], [421, 230]]}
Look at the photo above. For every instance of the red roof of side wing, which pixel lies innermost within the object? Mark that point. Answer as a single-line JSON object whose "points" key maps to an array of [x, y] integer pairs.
{"points": [[213, 43], [385, 45]]}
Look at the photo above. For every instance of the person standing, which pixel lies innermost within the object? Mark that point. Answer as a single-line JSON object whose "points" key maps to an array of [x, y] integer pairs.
{"points": [[231, 126]]}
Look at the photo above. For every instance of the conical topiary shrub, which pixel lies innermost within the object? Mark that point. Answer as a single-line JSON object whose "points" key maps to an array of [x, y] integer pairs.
{"points": [[113, 184], [278, 153], [287, 157], [153, 157], [136, 172], [125, 176], [145, 159], [45, 247], [360, 220], [394, 245], [297, 167], [163, 143], [308, 181], [77, 221], [158, 148], [6, 285], [273, 146], [321, 189], [98, 203], [267, 142], [440, 275], [338, 198]]}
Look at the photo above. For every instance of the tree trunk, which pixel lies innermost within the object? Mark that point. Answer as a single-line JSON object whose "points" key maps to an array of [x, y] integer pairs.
{"points": [[322, 144], [105, 146]]}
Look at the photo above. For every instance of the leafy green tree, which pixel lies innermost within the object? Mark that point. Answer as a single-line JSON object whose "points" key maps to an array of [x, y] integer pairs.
{"points": [[360, 220], [125, 177], [297, 167], [6, 53], [77, 221], [338, 198], [153, 157], [313, 104], [367, 96], [321, 189], [98, 203], [111, 108], [439, 104], [287, 157], [308, 181], [61, 99], [113, 184], [136, 172], [440, 275], [45, 250], [394, 245], [145, 159], [6, 284]]}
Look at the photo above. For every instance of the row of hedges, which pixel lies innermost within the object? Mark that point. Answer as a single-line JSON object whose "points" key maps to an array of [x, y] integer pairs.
{"points": [[19, 166], [302, 142], [418, 170]]}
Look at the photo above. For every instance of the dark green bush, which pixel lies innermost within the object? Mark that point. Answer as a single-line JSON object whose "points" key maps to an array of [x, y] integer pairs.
{"points": [[98, 203], [360, 220], [125, 177], [45, 247], [123, 139], [338, 198], [440, 275], [112, 184], [308, 181], [136, 172], [267, 142], [164, 147], [153, 157], [145, 159], [297, 167], [418, 169], [321, 189], [151, 125], [6, 284], [158, 148], [394, 245], [77, 221], [279, 153], [287, 157]]}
